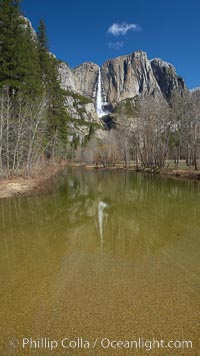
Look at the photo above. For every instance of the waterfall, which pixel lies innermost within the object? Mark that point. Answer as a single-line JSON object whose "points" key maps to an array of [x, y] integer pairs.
{"points": [[101, 208], [99, 102]]}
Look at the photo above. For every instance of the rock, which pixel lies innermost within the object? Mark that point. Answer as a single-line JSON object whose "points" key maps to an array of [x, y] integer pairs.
{"points": [[126, 81], [79, 84], [82, 114], [124, 77], [27, 24], [85, 78], [127, 76], [66, 77], [167, 79]]}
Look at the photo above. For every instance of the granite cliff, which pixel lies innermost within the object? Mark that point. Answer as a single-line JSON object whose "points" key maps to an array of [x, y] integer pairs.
{"points": [[127, 76], [85, 77], [123, 82], [167, 79], [79, 103], [124, 77]]}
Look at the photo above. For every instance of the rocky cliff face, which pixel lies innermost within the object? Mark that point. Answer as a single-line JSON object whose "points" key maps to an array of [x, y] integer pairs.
{"points": [[168, 81], [80, 108], [66, 77], [127, 76], [85, 78], [124, 78], [82, 116]]}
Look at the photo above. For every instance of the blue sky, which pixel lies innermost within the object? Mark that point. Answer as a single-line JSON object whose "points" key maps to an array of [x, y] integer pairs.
{"points": [[78, 30]]}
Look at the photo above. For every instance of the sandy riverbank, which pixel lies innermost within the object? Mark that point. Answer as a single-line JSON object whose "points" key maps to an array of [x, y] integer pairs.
{"points": [[21, 185]]}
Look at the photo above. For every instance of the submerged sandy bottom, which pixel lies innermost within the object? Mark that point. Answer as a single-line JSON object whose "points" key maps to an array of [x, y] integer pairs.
{"points": [[61, 280]]}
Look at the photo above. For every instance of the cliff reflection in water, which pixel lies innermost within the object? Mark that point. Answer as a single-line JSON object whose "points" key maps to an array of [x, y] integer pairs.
{"points": [[146, 213]]}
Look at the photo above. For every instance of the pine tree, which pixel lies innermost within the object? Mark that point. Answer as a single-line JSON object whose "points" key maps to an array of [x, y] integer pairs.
{"points": [[42, 35], [29, 71], [9, 29], [19, 61], [57, 113]]}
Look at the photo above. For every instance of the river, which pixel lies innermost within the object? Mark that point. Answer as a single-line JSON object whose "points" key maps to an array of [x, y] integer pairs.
{"points": [[100, 255]]}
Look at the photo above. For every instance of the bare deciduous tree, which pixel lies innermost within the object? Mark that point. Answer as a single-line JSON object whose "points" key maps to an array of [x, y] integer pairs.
{"points": [[22, 133]]}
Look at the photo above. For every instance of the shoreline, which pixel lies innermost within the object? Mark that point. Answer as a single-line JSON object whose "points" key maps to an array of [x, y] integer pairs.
{"points": [[17, 186], [189, 174]]}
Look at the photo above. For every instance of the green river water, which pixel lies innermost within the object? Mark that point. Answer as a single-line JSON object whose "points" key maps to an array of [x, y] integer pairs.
{"points": [[101, 256]]}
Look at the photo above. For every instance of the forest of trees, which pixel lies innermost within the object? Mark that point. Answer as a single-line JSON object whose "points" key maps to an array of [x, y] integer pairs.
{"points": [[159, 136], [33, 119]]}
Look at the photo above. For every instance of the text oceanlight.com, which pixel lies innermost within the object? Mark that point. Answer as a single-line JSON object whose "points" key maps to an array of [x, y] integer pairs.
{"points": [[99, 343]]}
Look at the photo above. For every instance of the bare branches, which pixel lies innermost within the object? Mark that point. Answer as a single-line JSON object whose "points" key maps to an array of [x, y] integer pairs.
{"points": [[151, 132], [159, 133], [22, 133]]}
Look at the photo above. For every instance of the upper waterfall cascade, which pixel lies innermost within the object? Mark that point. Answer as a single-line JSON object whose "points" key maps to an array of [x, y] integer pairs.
{"points": [[99, 95]]}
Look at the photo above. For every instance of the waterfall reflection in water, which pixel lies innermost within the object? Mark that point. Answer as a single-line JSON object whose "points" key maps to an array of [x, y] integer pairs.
{"points": [[101, 215]]}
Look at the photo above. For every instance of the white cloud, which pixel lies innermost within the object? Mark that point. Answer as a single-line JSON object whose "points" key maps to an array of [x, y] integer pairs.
{"points": [[117, 29], [116, 45]]}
